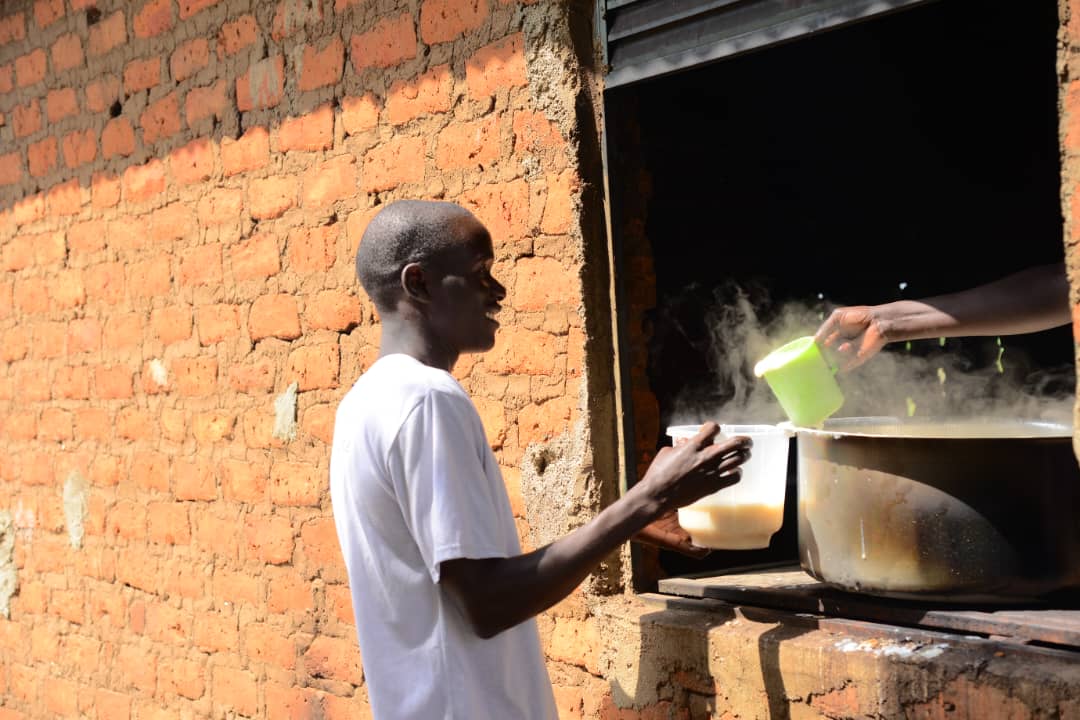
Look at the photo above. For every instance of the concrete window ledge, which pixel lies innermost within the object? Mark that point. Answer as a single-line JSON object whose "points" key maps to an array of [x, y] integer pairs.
{"points": [[690, 658]]}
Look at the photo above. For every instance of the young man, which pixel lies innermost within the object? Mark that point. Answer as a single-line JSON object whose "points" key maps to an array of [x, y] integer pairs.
{"points": [[443, 597]]}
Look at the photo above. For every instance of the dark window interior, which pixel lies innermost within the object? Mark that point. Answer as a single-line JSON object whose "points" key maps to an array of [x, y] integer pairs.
{"points": [[919, 148]]}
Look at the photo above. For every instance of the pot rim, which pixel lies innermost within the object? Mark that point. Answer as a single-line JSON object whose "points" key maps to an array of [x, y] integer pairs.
{"points": [[938, 428]]}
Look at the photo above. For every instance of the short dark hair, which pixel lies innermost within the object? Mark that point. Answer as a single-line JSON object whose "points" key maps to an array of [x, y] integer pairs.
{"points": [[403, 232]]}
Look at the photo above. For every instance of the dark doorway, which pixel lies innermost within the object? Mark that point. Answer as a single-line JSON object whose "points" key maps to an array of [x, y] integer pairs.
{"points": [[906, 156]]}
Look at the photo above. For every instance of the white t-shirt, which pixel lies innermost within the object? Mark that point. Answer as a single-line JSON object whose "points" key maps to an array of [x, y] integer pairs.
{"points": [[414, 483]]}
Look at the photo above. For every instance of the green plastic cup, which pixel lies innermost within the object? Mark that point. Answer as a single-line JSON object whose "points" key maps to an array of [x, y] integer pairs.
{"points": [[803, 381]]}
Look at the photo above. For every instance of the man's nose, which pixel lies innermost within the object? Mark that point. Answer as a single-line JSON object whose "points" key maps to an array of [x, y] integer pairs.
{"points": [[498, 290]]}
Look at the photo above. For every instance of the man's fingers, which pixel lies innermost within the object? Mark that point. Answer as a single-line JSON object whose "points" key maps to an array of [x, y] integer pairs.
{"points": [[706, 434]]}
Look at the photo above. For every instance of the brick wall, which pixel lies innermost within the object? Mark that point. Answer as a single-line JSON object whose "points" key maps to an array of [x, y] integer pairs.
{"points": [[183, 184], [1069, 65]]}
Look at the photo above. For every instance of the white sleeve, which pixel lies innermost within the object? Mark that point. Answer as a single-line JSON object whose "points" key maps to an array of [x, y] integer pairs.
{"points": [[437, 468]]}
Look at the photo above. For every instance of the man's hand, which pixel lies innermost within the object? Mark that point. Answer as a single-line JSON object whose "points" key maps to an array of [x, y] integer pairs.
{"points": [[853, 334], [667, 534], [680, 475]]}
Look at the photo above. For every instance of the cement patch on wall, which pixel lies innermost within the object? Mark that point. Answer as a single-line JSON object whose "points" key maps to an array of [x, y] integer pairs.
{"points": [[9, 578]]}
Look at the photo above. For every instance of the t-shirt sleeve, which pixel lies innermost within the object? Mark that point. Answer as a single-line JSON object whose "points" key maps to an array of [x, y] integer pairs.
{"points": [[437, 468]]}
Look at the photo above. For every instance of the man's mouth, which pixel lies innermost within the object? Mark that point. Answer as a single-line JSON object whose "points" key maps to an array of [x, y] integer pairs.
{"points": [[492, 312]]}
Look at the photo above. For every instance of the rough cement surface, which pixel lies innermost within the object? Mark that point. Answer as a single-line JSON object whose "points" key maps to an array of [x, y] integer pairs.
{"points": [[285, 413], [9, 579], [75, 505]]}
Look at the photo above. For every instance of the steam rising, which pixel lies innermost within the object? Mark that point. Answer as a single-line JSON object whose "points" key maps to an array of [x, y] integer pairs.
{"points": [[743, 327]]}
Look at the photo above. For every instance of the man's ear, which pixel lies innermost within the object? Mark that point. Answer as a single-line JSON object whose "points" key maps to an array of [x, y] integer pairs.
{"points": [[414, 283]]}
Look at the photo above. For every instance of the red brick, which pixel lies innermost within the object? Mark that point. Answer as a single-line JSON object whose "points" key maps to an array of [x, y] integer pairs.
{"points": [[217, 322], [26, 119], [268, 645], [469, 144], [269, 539], [112, 705], [19, 252], [205, 102], [339, 603], [330, 181], [104, 190], [61, 103], [46, 12], [173, 424], [235, 689], [149, 277], [118, 138], [443, 20], [214, 426], [185, 678], [292, 703], [249, 152], [333, 310], [220, 206], [141, 182], [217, 633], [296, 484], [68, 290], [314, 366], [398, 161], [137, 667], [245, 481], [253, 377], [31, 295], [142, 74], [167, 522], [161, 119], [274, 316], [359, 114], [127, 519], [271, 197], [321, 68], [288, 591], [72, 383], [41, 156], [84, 336], [262, 86], [191, 7], [312, 249], [430, 93], [183, 577], [113, 382], [79, 148], [195, 479], [7, 78], [16, 343], [389, 43], [237, 35], [560, 214], [196, 376], [166, 624], [127, 232], [496, 66], [314, 131], [12, 27], [539, 282], [257, 257], [193, 162], [92, 424], [11, 168], [123, 330], [107, 34], [30, 209], [49, 248], [30, 68], [102, 93], [154, 18], [50, 340], [291, 15], [201, 265], [106, 471], [61, 698], [519, 351], [55, 425], [150, 471], [334, 659], [66, 199], [189, 58], [534, 133], [21, 425], [503, 208], [174, 221], [171, 324]]}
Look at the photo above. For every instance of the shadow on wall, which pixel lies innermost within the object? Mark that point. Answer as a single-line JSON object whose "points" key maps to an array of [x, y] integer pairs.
{"points": [[685, 666]]}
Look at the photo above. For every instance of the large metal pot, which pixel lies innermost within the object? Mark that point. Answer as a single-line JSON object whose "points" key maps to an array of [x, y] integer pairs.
{"points": [[967, 511]]}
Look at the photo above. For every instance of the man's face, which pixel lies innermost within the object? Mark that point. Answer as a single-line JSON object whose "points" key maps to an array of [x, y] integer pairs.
{"points": [[464, 295]]}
